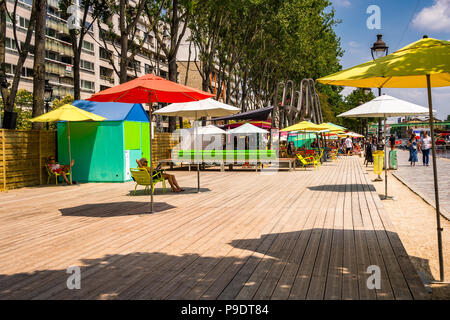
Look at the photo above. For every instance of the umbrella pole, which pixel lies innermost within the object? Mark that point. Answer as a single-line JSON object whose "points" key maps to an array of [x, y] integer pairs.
{"points": [[386, 159], [436, 189], [70, 152], [150, 153], [198, 163]]}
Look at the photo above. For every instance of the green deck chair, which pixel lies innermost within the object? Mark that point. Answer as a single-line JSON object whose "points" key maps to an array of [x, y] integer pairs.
{"points": [[142, 177]]}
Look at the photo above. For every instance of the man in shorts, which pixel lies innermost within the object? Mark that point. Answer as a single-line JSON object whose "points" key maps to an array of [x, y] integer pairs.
{"points": [[348, 145]]}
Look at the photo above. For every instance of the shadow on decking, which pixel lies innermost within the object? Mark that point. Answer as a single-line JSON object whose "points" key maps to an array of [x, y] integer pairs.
{"points": [[160, 191], [157, 275], [114, 209], [343, 187]]}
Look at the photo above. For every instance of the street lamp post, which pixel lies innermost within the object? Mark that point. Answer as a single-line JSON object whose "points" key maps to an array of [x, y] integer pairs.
{"points": [[379, 50], [48, 95]]}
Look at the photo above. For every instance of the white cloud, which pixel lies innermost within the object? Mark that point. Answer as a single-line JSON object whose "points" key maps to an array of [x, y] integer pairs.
{"points": [[434, 18], [342, 3], [354, 44]]}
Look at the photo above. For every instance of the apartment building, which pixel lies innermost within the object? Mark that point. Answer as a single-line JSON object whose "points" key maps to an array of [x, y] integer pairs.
{"points": [[97, 72]]}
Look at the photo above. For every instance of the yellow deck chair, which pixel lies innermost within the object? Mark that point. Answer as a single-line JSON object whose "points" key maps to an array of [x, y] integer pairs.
{"points": [[53, 174], [142, 177], [307, 161]]}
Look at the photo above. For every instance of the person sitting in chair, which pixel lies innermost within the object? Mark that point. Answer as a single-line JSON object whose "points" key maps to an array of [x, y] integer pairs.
{"points": [[59, 168], [143, 163]]}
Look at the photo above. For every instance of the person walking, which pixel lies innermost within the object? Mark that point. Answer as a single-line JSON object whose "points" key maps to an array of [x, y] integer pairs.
{"points": [[348, 144], [392, 141], [425, 146], [413, 151]]}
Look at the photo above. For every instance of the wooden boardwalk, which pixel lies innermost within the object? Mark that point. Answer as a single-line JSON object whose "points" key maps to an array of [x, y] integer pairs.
{"points": [[247, 235]]}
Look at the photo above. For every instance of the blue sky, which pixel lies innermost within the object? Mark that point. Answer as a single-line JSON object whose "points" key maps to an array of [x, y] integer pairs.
{"points": [[402, 22]]}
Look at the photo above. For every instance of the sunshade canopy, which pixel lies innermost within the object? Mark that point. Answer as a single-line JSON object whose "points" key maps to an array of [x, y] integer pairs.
{"points": [[303, 126], [351, 134], [198, 109], [404, 68], [247, 128], [150, 88], [209, 129], [259, 114], [67, 113], [385, 106], [329, 127]]}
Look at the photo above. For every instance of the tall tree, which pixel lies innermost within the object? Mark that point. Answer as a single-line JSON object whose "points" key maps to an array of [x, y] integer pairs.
{"points": [[39, 62], [22, 48], [92, 9], [176, 15]]}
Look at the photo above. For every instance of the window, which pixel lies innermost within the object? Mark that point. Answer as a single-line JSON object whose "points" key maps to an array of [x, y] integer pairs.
{"points": [[27, 72], [148, 69], [105, 54], [10, 44], [89, 46], [86, 65], [87, 85], [51, 55], [50, 32], [10, 68], [24, 23], [28, 2]]}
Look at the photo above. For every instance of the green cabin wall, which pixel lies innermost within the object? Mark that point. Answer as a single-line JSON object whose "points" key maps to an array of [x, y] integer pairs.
{"points": [[97, 148]]}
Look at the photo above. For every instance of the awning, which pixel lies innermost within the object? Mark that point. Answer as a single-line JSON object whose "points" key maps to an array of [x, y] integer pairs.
{"points": [[259, 114]]}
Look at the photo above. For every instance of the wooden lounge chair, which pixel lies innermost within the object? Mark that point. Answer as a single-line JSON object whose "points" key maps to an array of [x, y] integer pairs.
{"points": [[307, 161], [142, 177]]}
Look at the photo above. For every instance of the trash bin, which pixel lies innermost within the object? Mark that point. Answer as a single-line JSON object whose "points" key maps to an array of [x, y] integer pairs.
{"points": [[393, 159], [378, 161]]}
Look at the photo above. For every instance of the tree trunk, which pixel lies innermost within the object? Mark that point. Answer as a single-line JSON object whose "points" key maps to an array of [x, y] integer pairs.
{"points": [[39, 63], [171, 58], [4, 90], [123, 42], [23, 53]]}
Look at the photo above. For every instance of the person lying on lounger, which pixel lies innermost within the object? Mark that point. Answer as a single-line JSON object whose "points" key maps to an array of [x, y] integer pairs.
{"points": [[143, 163], [59, 168]]}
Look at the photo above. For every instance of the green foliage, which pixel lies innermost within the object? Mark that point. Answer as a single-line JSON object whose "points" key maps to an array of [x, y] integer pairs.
{"points": [[23, 106], [59, 103]]}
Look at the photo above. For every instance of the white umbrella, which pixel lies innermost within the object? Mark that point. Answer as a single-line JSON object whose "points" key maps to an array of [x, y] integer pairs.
{"points": [[382, 107], [247, 128], [208, 130], [197, 109], [385, 106], [351, 134]]}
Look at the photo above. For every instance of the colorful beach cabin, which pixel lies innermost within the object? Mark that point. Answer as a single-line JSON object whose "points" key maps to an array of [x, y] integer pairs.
{"points": [[104, 151]]}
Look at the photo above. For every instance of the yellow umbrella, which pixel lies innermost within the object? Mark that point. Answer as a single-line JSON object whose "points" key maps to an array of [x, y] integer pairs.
{"points": [[67, 113], [302, 126], [422, 64], [405, 68], [330, 127]]}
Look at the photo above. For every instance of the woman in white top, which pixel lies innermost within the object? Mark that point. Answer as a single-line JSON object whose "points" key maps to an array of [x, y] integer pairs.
{"points": [[425, 146]]}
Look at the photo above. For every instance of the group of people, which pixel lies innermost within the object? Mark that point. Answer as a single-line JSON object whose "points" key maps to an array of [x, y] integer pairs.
{"points": [[62, 170], [423, 145]]}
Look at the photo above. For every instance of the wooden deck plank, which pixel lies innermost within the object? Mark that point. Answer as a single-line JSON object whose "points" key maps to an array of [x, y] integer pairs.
{"points": [[296, 235]]}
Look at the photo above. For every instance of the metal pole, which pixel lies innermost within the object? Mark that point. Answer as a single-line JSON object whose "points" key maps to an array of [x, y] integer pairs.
{"points": [[435, 176], [386, 158], [150, 153], [70, 152], [198, 163]]}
